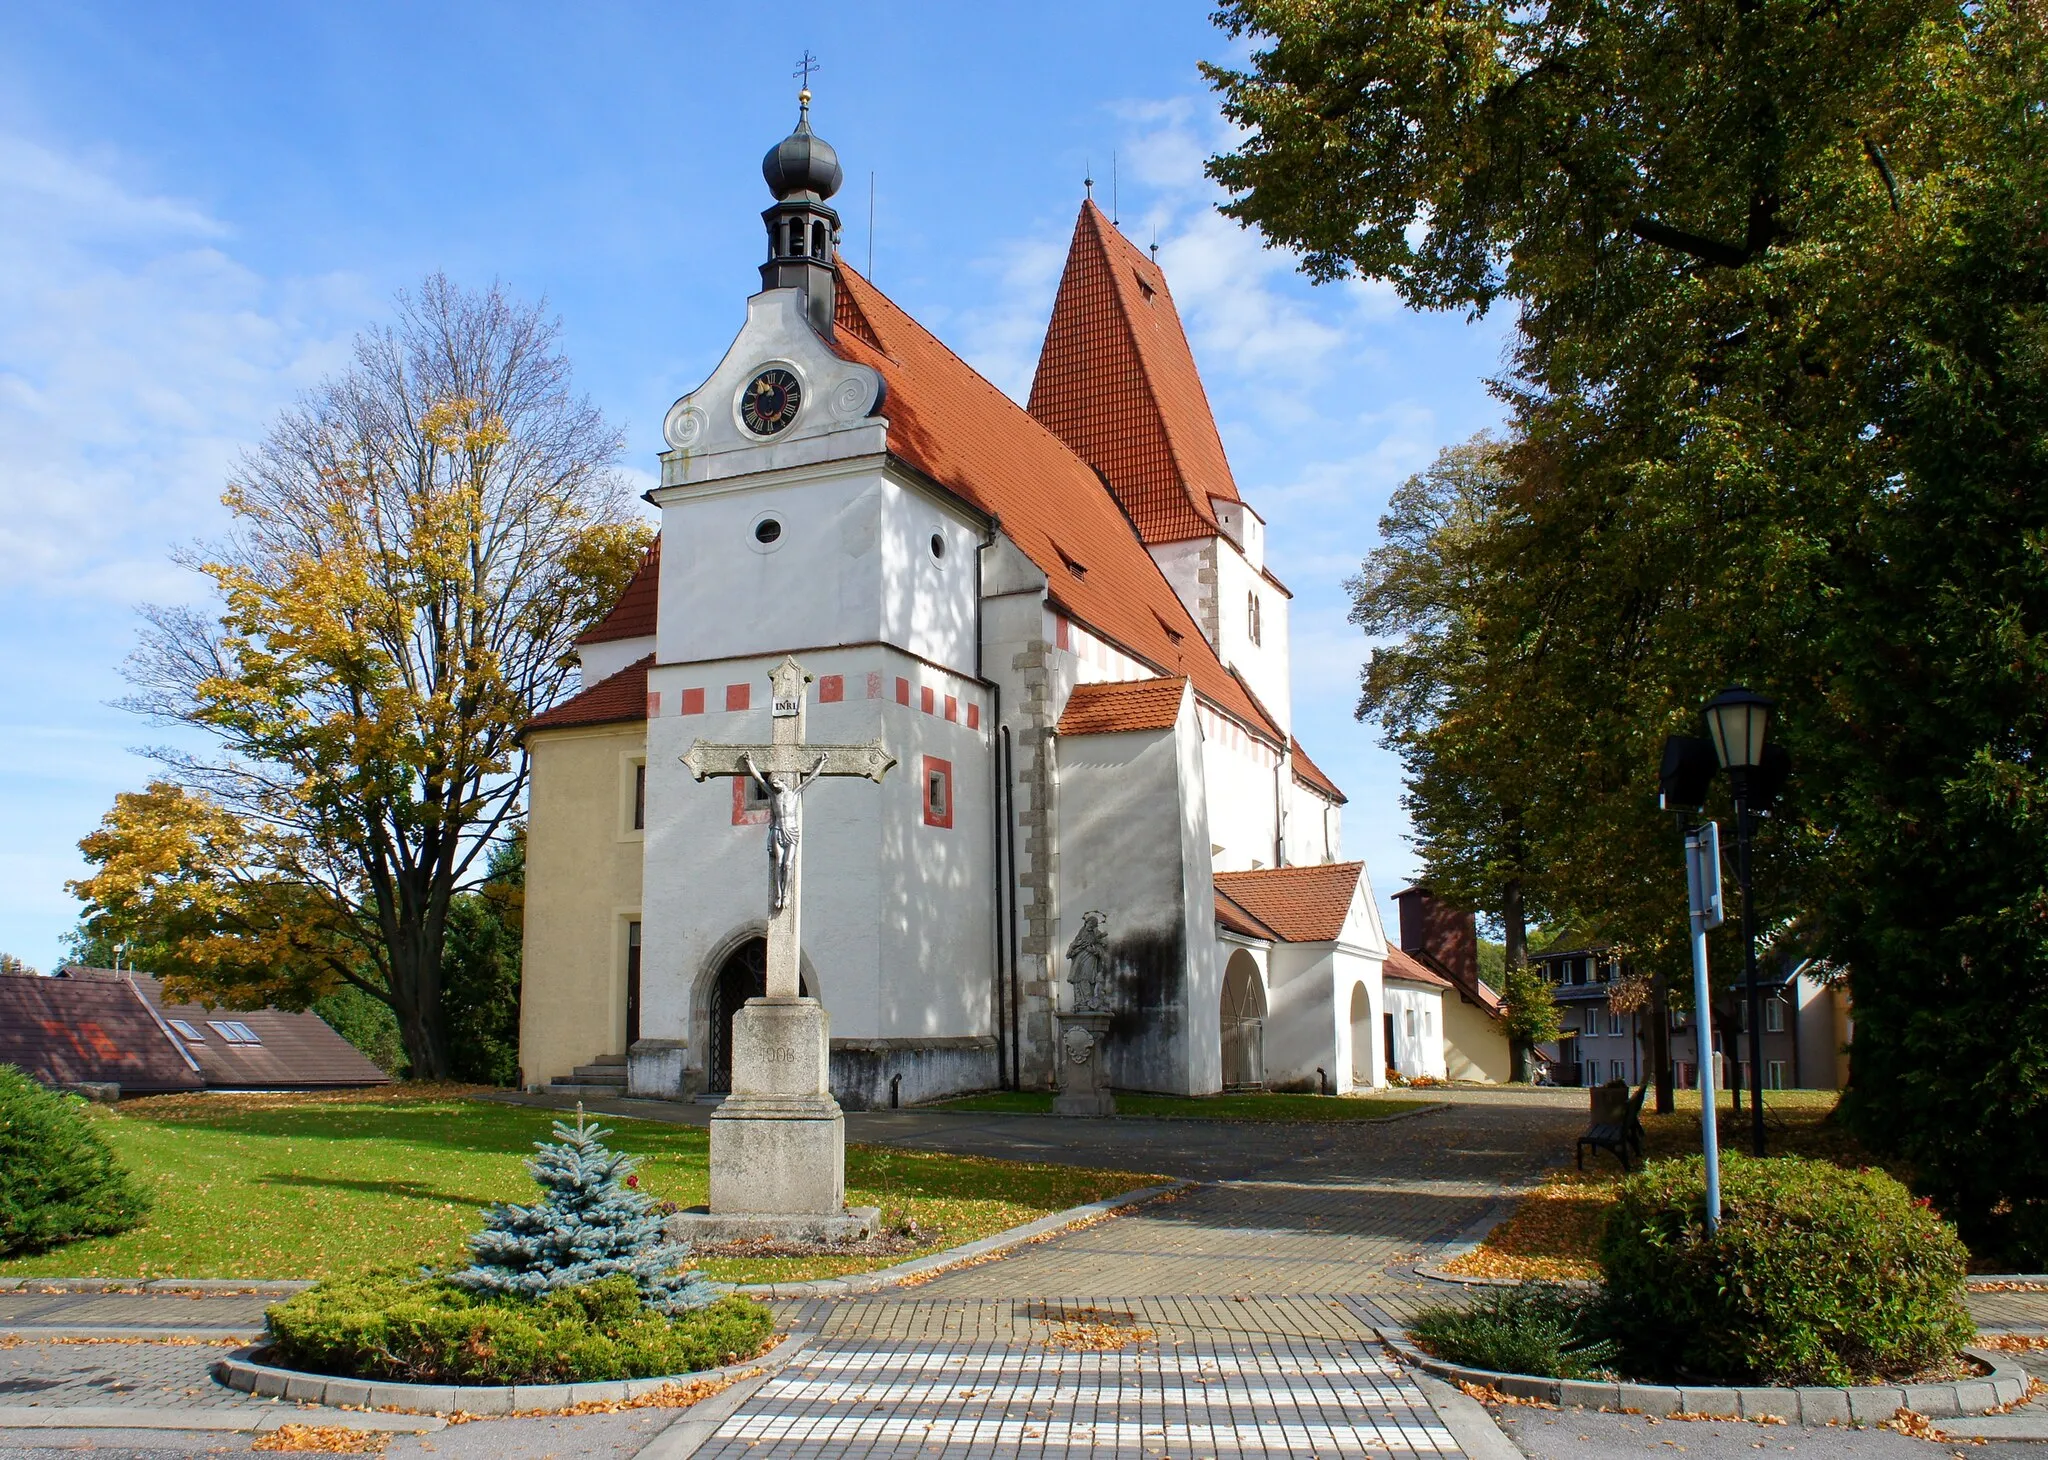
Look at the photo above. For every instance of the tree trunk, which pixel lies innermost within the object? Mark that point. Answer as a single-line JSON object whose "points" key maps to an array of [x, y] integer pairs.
{"points": [[418, 928], [1514, 923], [1515, 940], [1660, 1042]]}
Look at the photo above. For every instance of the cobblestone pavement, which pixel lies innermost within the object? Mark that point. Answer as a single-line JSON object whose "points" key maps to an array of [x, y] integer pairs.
{"points": [[132, 1375], [223, 1315]]}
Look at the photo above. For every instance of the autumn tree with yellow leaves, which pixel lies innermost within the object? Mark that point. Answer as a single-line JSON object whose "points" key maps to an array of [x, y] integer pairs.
{"points": [[414, 548]]}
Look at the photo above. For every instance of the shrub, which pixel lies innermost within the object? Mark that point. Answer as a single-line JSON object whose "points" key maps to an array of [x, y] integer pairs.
{"points": [[591, 1222], [1818, 1275], [395, 1325], [59, 1179], [1533, 1328]]}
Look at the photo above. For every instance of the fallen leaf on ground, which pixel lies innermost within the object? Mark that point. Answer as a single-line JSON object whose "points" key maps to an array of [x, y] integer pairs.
{"points": [[326, 1439]]}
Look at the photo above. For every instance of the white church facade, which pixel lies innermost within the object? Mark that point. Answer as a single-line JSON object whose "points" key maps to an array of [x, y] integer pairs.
{"points": [[1058, 618]]}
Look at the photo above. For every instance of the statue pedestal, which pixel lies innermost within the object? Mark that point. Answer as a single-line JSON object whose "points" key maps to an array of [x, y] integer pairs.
{"points": [[1084, 1083], [778, 1143]]}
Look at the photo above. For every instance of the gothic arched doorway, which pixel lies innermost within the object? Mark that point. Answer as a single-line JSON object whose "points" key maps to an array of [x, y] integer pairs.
{"points": [[743, 976], [1244, 1024]]}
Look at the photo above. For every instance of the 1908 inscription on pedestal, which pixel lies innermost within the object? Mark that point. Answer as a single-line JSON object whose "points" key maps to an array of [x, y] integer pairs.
{"points": [[778, 1143]]}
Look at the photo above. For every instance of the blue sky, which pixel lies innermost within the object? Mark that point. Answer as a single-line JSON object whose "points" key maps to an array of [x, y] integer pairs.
{"points": [[203, 203]]}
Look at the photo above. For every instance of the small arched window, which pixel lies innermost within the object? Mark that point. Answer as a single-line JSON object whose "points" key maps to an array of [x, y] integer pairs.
{"points": [[818, 239], [1251, 616]]}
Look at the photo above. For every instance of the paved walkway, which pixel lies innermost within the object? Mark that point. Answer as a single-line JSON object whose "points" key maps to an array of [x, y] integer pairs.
{"points": [[1241, 1315]]}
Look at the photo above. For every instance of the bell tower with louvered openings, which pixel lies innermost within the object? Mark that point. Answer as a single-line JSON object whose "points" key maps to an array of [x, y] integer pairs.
{"points": [[802, 170]]}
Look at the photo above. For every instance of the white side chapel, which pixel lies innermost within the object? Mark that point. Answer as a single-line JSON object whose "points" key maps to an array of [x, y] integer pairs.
{"points": [[1059, 621]]}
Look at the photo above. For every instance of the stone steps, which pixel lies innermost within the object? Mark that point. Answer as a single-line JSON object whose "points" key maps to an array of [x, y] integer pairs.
{"points": [[604, 1077], [582, 1091]]}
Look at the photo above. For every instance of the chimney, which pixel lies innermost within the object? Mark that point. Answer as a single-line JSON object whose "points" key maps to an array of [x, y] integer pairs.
{"points": [[1438, 933]]}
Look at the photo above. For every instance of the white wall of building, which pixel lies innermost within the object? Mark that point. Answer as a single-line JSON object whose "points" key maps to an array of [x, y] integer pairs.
{"points": [[897, 914], [1264, 664], [852, 564], [1418, 1029], [599, 662], [1315, 827], [1132, 836]]}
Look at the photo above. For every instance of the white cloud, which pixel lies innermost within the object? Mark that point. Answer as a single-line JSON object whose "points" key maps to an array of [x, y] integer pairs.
{"points": [[139, 356]]}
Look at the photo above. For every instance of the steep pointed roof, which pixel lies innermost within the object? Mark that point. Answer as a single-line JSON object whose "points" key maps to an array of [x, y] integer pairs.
{"points": [[1117, 382], [953, 426]]}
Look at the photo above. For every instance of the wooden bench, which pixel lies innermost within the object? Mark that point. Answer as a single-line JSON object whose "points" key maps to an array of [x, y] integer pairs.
{"points": [[1617, 1123]]}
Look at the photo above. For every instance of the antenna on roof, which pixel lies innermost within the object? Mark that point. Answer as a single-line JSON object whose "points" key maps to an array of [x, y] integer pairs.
{"points": [[1155, 243], [1113, 208], [1088, 182]]}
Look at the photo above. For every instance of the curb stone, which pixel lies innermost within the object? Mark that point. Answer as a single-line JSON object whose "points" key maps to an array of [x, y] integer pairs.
{"points": [[1860, 1404], [251, 1287], [241, 1371], [938, 1262]]}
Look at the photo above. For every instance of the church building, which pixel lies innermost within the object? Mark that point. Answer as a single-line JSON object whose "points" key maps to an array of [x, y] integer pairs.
{"points": [[1059, 619]]}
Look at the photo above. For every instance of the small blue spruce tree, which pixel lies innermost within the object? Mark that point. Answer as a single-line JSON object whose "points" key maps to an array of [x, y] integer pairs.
{"points": [[589, 1224]]}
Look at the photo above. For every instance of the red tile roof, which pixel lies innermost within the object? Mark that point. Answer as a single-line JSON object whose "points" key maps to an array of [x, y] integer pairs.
{"points": [[957, 429], [1311, 775], [1229, 915], [1405, 966], [1117, 382], [633, 616], [1109, 709], [608, 702], [70, 1031], [1301, 904]]}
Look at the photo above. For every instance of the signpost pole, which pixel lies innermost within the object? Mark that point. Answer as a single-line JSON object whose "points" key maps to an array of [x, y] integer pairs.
{"points": [[1703, 887]]}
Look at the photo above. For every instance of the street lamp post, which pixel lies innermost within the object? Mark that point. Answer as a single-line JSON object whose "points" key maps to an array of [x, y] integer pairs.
{"points": [[1738, 720]]}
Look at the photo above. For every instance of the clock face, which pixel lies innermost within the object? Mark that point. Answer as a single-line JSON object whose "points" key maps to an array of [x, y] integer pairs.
{"points": [[770, 401]]}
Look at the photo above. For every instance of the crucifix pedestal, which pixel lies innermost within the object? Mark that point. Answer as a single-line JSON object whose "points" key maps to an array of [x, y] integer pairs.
{"points": [[778, 1142]]}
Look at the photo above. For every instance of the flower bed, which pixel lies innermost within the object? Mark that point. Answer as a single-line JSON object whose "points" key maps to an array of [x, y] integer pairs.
{"points": [[429, 1331]]}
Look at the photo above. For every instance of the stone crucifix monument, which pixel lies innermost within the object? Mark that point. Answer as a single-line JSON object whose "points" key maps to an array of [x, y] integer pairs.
{"points": [[778, 1142]]}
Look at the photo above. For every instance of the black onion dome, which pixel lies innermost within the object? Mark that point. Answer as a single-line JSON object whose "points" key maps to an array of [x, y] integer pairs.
{"points": [[802, 162]]}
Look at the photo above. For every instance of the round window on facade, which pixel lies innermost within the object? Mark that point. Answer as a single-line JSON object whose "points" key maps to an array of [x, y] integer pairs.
{"points": [[767, 533], [938, 548]]}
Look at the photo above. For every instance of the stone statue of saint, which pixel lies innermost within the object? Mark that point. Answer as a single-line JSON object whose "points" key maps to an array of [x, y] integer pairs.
{"points": [[785, 822], [1089, 956]]}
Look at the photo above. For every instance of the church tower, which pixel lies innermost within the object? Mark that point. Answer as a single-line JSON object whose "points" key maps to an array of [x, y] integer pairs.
{"points": [[802, 171]]}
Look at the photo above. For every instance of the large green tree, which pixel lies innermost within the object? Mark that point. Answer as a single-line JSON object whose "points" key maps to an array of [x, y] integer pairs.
{"points": [[413, 549], [1778, 409]]}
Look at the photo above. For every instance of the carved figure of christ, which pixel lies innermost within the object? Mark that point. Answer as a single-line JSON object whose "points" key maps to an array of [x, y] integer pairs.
{"points": [[785, 767]]}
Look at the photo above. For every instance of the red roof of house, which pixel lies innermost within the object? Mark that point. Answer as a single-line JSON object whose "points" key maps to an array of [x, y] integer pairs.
{"points": [[293, 1051], [1406, 966], [633, 616], [1300, 904], [608, 702], [72, 1031], [1117, 382], [1134, 704], [957, 429], [1311, 775], [1229, 915]]}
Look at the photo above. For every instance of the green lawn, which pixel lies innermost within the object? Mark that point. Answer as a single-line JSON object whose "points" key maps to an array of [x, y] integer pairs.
{"points": [[296, 1186], [1199, 1107]]}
